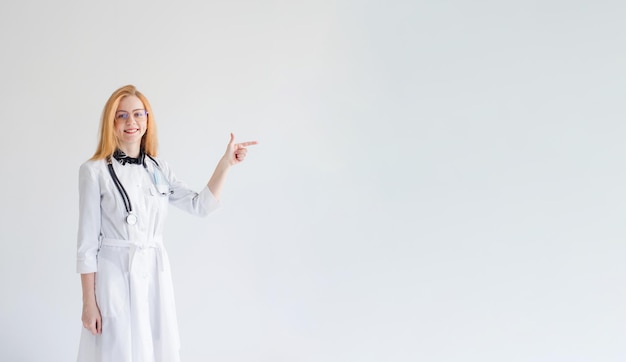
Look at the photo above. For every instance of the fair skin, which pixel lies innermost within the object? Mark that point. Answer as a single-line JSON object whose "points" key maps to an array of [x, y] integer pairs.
{"points": [[129, 133]]}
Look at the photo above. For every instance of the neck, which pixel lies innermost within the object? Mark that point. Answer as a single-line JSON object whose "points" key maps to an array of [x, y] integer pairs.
{"points": [[131, 150]]}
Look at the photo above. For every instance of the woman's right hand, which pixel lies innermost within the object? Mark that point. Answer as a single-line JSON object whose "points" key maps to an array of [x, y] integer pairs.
{"points": [[92, 320]]}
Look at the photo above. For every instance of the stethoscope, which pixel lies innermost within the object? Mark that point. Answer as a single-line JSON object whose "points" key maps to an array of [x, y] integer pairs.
{"points": [[131, 218]]}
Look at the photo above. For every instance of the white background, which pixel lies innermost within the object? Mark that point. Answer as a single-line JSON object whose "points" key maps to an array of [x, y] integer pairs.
{"points": [[434, 180]]}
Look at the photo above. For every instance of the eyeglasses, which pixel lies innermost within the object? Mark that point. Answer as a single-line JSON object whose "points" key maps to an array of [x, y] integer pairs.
{"points": [[138, 115]]}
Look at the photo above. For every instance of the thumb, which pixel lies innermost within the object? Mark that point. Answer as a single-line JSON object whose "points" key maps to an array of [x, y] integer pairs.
{"points": [[232, 139]]}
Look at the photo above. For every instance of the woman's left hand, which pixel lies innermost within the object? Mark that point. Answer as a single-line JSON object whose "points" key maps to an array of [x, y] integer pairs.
{"points": [[236, 152]]}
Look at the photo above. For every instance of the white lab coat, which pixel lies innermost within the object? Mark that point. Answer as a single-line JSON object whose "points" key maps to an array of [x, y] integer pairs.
{"points": [[133, 281]]}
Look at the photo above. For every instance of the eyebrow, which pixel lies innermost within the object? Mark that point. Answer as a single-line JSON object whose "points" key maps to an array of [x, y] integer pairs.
{"points": [[138, 109]]}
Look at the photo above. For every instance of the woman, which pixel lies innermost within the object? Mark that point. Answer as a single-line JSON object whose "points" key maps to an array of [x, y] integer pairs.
{"points": [[128, 302]]}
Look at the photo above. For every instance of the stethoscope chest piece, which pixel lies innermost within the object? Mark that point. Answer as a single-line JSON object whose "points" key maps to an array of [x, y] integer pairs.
{"points": [[131, 219]]}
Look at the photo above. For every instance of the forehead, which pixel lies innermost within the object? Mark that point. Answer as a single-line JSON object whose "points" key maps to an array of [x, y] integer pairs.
{"points": [[130, 103]]}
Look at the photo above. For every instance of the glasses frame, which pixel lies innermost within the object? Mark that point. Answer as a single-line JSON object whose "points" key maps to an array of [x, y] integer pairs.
{"points": [[125, 116]]}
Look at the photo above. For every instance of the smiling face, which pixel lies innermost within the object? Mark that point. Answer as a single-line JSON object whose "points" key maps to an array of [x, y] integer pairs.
{"points": [[131, 123]]}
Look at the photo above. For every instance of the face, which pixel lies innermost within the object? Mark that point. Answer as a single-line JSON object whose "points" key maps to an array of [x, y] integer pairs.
{"points": [[131, 121]]}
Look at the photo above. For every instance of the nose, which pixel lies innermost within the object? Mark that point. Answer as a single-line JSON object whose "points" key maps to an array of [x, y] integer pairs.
{"points": [[131, 118]]}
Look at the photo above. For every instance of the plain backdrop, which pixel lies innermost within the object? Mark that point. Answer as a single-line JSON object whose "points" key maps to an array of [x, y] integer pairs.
{"points": [[434, 180]]}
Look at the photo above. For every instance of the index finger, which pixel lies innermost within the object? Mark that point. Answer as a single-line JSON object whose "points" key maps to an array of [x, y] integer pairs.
{"points": [[246, 144]]}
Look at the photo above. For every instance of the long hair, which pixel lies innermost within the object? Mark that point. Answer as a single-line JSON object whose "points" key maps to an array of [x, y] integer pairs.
{"points": [[108, 141]]}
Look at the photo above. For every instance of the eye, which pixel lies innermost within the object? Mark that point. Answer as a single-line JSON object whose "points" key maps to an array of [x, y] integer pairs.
{"points": [[139, 114], [121, 116]]}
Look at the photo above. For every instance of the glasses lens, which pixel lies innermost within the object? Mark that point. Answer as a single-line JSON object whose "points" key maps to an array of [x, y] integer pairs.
{"points": [[139, 114], [121, 116]]}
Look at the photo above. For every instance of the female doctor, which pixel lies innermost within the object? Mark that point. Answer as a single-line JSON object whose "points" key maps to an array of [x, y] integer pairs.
{"points": [[124, 192]]}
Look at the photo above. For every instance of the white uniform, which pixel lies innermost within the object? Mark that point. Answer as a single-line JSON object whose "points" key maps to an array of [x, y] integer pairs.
{"points": [[133, 281]]}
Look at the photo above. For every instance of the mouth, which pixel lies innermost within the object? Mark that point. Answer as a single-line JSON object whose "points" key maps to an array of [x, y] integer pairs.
{"points": [[131, 130]]}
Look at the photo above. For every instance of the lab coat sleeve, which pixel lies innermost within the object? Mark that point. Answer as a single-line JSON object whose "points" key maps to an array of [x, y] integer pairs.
{"points": [[89, 219], [200, 203]]}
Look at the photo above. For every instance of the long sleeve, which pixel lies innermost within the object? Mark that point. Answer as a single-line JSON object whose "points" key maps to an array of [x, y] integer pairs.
{"points": [[197, 203], [89, 220]]}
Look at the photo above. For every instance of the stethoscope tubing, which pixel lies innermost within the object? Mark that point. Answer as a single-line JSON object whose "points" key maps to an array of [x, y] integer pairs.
{"points": [[121, 189]]}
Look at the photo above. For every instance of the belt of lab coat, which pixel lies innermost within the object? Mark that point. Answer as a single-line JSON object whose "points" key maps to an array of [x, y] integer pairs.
{"points": [[133, 246]]}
